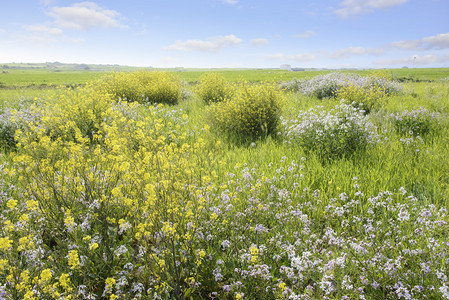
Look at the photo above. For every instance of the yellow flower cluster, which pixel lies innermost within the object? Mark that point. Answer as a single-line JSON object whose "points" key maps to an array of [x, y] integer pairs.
{"points": [[73, 115], [143, 86], [74, 261], [363, 97], [104, 180], [254, 254], [5, 243], [381, 74], [213, 87], [253, 112]]}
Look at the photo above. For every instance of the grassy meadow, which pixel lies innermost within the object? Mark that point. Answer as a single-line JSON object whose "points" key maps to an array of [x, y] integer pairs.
{"points": [[232, 184]]}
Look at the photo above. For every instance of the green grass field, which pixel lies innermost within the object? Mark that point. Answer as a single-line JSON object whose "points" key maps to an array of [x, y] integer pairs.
{"points": [[41, 77], [17, 81], [138, 201], [37, 78]]}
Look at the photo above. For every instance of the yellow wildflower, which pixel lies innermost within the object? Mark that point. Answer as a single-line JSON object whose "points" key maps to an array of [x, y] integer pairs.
{"points": [[74, 260], [282, 286], [3, 264], [11, 203], [46, 275], [64, 281], [5, 243]]}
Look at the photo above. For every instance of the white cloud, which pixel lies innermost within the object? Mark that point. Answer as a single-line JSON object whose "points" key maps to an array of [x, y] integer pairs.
{"points": [[358, 7], [212, 45], [406, 45], [84, 15], [230, 1], [303, 57], [259, 41], [80, 16], [440, 41], [416, 59], [306, 34], [41, 34], [45, 34], [344, 53], [43, 29]]}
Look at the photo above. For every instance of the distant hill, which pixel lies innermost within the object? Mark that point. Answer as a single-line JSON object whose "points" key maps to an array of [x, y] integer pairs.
{"points": [[66, 67]]}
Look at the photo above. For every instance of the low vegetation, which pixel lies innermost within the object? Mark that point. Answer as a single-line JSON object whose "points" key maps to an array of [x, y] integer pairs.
{"points": [[419, 122], [214, 88], [339, 132], [252, 113], [134, 187], [143, 86]]}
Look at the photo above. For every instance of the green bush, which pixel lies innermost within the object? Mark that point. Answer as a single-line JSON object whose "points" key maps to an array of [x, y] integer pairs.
{"points": [[213, 88], [144, 87], [75, 114], [366, 97], [253, 112]]}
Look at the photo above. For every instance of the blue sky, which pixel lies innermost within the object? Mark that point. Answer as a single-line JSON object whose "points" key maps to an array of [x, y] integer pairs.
{"points": [[228, 33]]}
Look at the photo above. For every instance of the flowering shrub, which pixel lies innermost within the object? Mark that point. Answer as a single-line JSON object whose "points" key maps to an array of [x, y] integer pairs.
{"points": [[71, 114], [418, 122], [144, 87], [385, 83], [324, 86], [156, 122], [213, 88], [328, 85], [97, 218], [122, 86], [331, 134], [366, 98], [253, 112]]}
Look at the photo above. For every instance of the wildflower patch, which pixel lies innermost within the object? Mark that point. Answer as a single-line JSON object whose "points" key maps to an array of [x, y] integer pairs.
{"points": [[254, 112], [337, 133], [105, 198], [143, 87], [418, 122], [214, 88]]}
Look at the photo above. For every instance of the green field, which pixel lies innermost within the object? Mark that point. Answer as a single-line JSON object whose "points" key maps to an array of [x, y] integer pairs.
{"points": [[40, 77], [201, 199], [44, 78], [34, 80]]}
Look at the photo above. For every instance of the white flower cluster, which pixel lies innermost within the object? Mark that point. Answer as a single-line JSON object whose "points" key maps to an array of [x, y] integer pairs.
{"points": [[417, 122], [325, 86], [335, 133]]}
